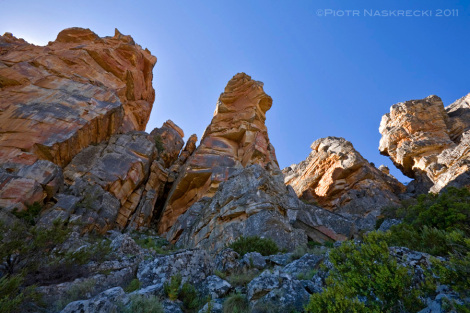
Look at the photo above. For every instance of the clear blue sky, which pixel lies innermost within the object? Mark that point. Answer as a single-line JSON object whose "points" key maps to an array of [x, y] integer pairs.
{"points": [[328, 76]]}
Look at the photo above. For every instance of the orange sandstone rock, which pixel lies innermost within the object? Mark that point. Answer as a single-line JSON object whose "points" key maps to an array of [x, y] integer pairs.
{"points": [[339, 179], [77, 90], [58, 99], [429, 142], [236, 137]]}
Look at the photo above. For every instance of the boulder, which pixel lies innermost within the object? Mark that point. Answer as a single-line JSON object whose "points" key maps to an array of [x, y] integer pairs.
{"points": [[236, 137], [428, 142], [338, 178], [193, 265], [169, 139], [214, 287], [107, 301]]}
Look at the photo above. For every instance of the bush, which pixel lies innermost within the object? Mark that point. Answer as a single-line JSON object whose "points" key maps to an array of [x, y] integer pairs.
{"points": [[236, 303], [159, 143], [366, 271], [144, 304], [31, 215], [427, 239], [189, 296], [449, 211], [241, 279], [133, 285], [265, 246], [12, 297], [171, 288]]}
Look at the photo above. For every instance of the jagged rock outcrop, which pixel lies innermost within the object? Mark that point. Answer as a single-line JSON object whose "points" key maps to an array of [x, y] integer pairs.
{"points": [[58, 99], [235, 138], [339, 179], [169, 139], [429, 142], [117, 183], [253, 202]]}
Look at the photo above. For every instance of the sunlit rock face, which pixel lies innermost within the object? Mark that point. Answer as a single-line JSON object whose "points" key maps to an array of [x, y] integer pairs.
{"points": [[429, 142], [236, 137], [58, 99], [339, 179]]}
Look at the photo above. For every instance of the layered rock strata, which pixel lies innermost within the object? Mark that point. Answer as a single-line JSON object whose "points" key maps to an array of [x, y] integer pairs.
{"points": [[58, 99], [338, 178], [429, 142], [236, 137]]}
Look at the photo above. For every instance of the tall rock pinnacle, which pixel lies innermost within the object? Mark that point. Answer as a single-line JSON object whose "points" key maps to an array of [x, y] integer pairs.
{"points": [[236, 137]]}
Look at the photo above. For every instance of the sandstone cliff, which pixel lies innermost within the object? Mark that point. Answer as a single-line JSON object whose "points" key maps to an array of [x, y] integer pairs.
{"points": [[429, 142], [339, 179], [58, 99], [236, 137]]}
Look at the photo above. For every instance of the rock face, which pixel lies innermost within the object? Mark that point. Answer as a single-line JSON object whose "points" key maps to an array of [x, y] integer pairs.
{"points": [[58, 99], [339, 179], [117, 183], [252, 202], [235, 138], [429, 142]]}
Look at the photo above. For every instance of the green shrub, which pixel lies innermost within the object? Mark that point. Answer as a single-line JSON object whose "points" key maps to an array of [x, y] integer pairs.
{"points": [[143, 304], [159, 143], [12, 297], [456, 272], [236, 303], [133, 285], [189, 296], [336, 298], [265, 246], [31, 215], [171, 288], [366, 271], [187, 293], [449, 211], [241, 279], [155, 244], [426, 239], [220, 274]]}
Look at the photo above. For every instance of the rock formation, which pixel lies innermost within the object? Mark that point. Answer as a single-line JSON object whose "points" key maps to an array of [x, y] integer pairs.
{"points": [[60, 98], [235, 138], [339, 179], [117, 183], [254, 202], [429, 142]]}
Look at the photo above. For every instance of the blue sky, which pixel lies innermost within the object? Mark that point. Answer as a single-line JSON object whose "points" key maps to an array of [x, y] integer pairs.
{"points": [[328, 75]]}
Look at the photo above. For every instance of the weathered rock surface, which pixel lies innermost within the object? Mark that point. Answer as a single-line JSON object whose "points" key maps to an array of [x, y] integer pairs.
{"points": [[107, 301], [193, 265], [339, 179], [170, 137], [117, 183], [58, 99], [235, 138], [104, 177], [429, 142], [252, 202]]}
